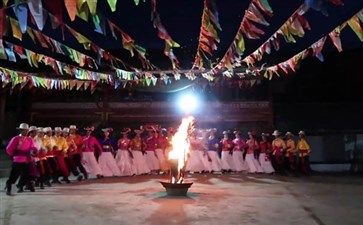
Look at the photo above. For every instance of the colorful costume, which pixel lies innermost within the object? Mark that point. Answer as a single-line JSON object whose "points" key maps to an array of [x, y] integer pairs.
{"points": [[253, 165], [238, 161], [106, 161], [124, 157], [304, 150], [265, 161], [215, 161], [290, 158], [19, 148], [89, 160], [60, 150], [141, 166], [195, 163], [227, 152], [151, 157], [278, 147]]}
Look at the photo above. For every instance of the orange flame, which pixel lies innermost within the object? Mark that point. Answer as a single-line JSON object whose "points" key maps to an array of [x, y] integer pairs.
{"points": [[181, 145]]}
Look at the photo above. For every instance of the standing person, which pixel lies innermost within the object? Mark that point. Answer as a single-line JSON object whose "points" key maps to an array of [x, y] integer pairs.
{"points": [[49, 144], [33, 172], [60, 150], [253, 165], [194, 164], [266, 149], [213, 148], [75, 154], [42, 164], [106, 160], [89, 146], [203, 151], [124, 156], [151, 157], [278, 148], [20, 148], [304, 150], [227, 152], [238, 150], [160, 150], [137, 148], [290, 157], [71, 147]]}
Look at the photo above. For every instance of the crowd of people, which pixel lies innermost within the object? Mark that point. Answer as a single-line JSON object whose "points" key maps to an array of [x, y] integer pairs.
{"points": [[46, 156]]}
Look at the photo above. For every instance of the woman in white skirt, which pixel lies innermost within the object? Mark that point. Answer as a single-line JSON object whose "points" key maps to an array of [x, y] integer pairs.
{"points": [[89, 161], [139, 161], [195, 164], [227, 151], [238, 150], [151, 157], [213, 148], [265, 159], [106, 160], [124, 156], [252, 145]]}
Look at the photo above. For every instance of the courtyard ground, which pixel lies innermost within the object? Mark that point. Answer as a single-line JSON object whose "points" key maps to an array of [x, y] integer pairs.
{"points": [[212, 199]]}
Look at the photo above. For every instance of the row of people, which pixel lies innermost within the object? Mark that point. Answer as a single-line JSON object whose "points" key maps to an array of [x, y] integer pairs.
{"points": [[251, 155], [39, 155]]}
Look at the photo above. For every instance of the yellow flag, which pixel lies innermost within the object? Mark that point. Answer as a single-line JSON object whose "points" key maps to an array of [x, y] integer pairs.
{"points": [[355, 25], [92, 5], [16, 29]]}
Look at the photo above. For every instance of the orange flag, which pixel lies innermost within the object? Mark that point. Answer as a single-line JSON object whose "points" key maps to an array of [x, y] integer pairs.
{"points": [[71, 6]]}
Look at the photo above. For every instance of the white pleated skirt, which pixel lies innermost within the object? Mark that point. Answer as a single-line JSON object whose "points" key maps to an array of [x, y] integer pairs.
{"points": [[194, 163], [266, 163], [215, 163], [152, 161], [253, 165], [125, 163], [227, 161], [90, 164], [108, 165], [140, 164], [239, 163]]}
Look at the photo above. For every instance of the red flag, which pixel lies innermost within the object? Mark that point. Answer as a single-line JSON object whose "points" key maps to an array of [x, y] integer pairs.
{"points": [[55, 7], [2, 22]]}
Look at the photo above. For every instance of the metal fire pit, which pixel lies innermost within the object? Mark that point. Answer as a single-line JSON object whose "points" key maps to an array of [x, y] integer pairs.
{"points": [[176, 189]]}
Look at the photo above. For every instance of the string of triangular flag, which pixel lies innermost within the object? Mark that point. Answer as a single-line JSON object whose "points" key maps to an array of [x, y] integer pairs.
{"points": [[316, 48]]}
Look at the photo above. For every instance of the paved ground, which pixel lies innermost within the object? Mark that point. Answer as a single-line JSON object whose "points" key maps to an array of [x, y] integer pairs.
{"points": [[213, 199]]}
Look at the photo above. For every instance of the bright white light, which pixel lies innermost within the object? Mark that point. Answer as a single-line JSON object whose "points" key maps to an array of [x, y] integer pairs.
{"points": [[188, 103]]}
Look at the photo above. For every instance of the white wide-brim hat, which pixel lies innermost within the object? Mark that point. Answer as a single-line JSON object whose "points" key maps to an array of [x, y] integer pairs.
{"points": [[23, 126], [276, 133], [289, 134], [73, 127], [32, 128], [302, 132], [48, 129], [109, 129], [65, 130], [58, 129]]}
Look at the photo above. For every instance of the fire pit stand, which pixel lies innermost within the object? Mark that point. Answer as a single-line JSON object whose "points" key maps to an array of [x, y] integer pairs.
{"points": [[176, 189]]}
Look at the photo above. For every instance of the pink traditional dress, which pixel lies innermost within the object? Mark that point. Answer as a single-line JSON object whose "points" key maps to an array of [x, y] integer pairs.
{"points": [[253, 165], [124, 157], [89, 161], [239, 147], [20, 148]]}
